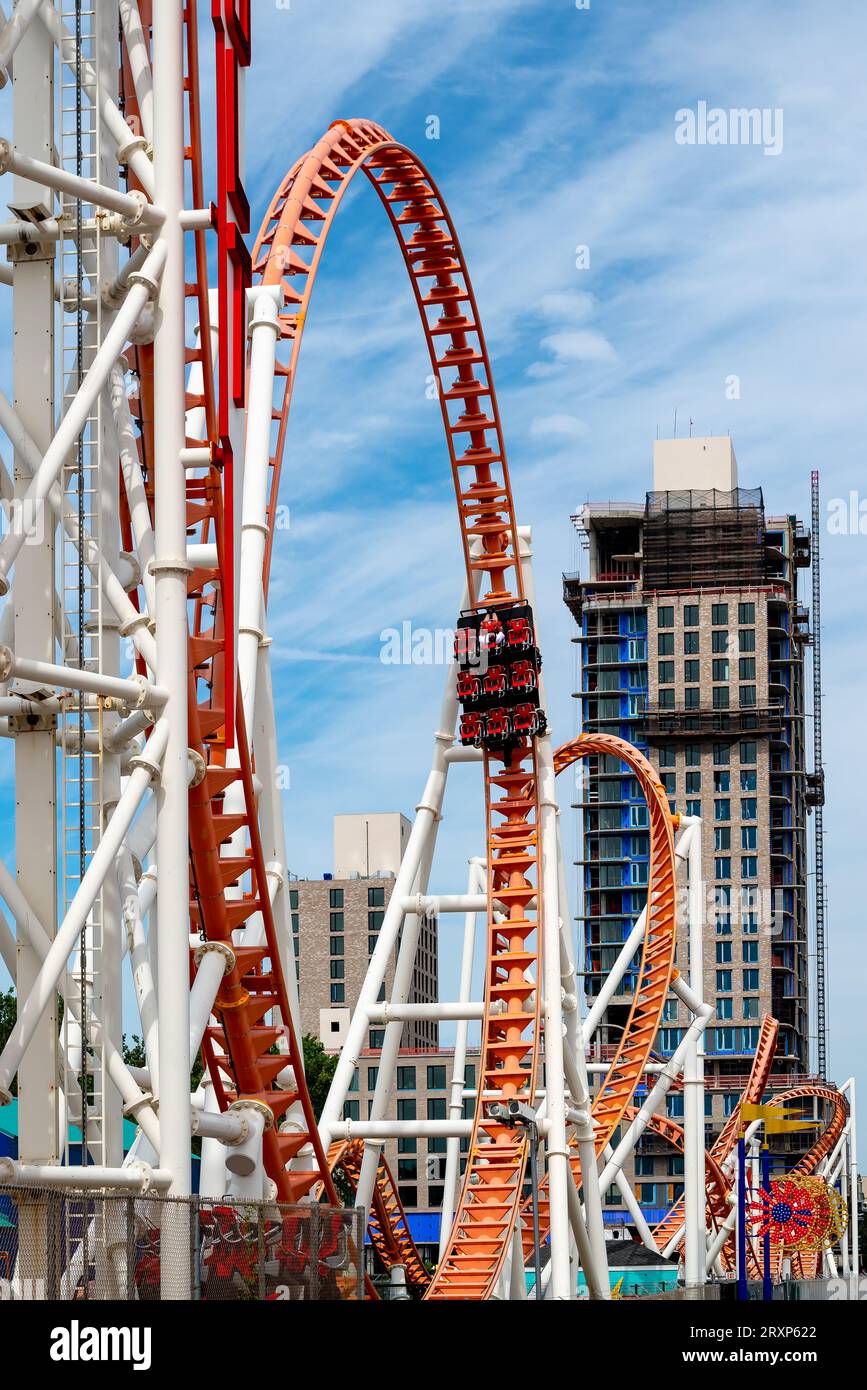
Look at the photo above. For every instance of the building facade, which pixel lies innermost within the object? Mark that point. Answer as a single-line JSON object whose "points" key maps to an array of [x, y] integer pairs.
{"points": [[691, 637]]}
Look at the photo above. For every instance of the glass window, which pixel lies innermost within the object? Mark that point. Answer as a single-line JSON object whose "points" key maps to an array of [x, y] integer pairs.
{"points": [[336, 945], [720, 697], [377, 1038], [691, 670], [406, 1108], [719, 614], [724, 1039], [690, 644], [722, 781], [336, 969], [724, 981], [436, 1108], [751, 1007], [691, 697], [749, 867], [720, 668], [750, 951], [749, 807], [665, 643], [436, 1078], [667, 755], [746, 613], [408, 1197], [692, 755], [723, 953], [335, 897], [724, 1008], [722, 809], [374, 920], [748, 781], [338, 994], [719, 641], [666, 697], [747, 639], [351, 1110], [747, 696], [693, 783], [376, 897], [751, 981], [665, 617], [406, 1078], [723, 868], [721, 755], [372, 1074], [335, 921], [749, 836], [690, 615], [293, 897], [666, 672], [747, 668], [722, 838], [407, 1146], [371, 944]]}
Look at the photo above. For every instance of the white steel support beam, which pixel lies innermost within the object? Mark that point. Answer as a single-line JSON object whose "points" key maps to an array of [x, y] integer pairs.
{"points": [[170, 572], [39, 1139]]}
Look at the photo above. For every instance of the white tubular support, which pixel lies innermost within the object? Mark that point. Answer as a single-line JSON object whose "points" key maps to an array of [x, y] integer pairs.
{"points": [[134, 693], [407, 1013], [139, 215], [130, 464], [475, 880], [403, 1129], [139, 61], [598, 1283], [264, 302], [134, 1177], [130, 150], [427, 814], [213, 960], [102, 861], [702, 1013], [695, 1239], [170, 573], [244, 1160], [548, 933], [76, 416], [134, 906], [422, 903], [14, 29]]}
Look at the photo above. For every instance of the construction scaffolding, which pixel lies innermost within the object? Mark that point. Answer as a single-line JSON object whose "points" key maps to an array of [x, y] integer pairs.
{"points": [[704, 538]]}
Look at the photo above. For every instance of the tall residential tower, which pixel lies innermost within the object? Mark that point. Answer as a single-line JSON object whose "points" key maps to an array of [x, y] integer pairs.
{"points": [[691, 638]]}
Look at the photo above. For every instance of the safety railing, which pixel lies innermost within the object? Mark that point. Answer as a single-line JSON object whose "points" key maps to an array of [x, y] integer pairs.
{"points": [[78, 1246]]}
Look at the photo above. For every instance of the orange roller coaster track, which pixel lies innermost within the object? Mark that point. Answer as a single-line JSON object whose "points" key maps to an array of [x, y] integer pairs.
{"points": [[287, 254]]}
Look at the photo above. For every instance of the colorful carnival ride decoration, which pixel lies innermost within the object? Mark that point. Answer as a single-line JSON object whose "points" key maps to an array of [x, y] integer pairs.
{"points": [[154, 367], [802, 1213]]}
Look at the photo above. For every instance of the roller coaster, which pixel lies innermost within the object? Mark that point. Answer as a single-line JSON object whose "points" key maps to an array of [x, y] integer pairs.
{"points": [[141, 512]]}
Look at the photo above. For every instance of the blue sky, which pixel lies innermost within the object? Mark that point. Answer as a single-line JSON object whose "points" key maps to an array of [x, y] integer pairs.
{"points": [[557, 129]]}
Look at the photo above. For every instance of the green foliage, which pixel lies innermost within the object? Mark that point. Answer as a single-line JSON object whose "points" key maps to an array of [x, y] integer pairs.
{"points": [[8, 1015], [319, 1068]]}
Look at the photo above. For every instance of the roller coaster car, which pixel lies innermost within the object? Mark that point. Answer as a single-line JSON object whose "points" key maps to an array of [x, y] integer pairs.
{"points": [[528, 719], [469, 686], [466, 645], [498, 726], [495, 680], [472, 730], [523, 676], [519, 631]]}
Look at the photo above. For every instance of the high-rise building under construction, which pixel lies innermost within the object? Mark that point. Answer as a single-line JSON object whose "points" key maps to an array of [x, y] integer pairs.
{"points": [[691, 638]]}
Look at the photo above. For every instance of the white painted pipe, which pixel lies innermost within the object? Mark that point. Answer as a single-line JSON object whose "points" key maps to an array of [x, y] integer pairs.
{"points": [[139, 61], [170, 570], [102, 860], [135, 692], [26, 233], [80, 407], [434, 904], [137, 212], [213, 961], [129, 150], [133, 480], [16, 26], [136, 1177], [475, 879], [695, 1241], [405, 1013], [402, 1129]]}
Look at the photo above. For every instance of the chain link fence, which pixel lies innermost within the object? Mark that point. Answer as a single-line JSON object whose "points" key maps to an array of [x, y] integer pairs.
{"points": [[82, 1245]]}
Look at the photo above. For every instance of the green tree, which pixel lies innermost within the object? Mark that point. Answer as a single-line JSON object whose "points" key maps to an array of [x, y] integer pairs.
{"points": [[8, 1015], [319, 1068]]}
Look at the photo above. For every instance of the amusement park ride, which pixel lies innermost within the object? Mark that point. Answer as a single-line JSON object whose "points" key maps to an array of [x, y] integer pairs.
{"points": [[154, 364]]}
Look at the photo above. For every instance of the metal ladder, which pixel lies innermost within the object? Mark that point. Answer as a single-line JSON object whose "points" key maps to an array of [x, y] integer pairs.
{"points": [[81, 598]]}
